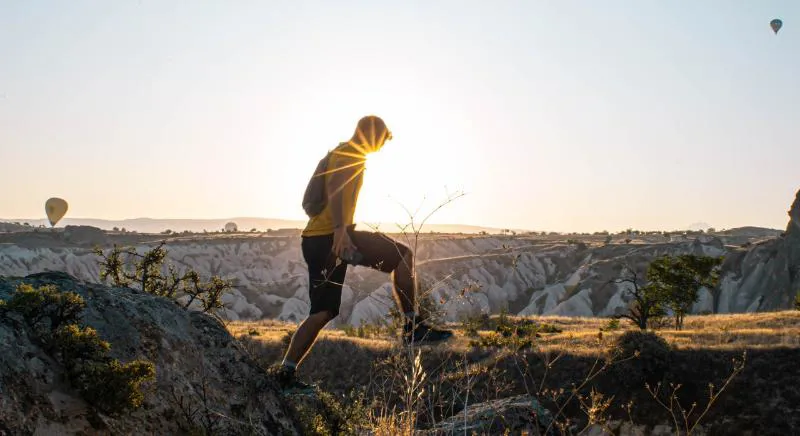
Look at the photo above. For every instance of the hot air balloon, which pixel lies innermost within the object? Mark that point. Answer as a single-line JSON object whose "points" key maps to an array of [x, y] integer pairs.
{"points": [[56, 208], [776, 25]]}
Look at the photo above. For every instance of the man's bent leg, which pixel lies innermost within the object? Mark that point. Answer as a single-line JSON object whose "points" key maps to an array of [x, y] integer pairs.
{"points": [[384, 254]]}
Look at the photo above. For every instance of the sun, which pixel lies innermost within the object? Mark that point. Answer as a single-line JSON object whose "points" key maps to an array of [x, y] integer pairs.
{"points": [[405, 179]]}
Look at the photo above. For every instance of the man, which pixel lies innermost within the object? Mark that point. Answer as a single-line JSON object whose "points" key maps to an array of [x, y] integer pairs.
{"points": [[330, 242]]}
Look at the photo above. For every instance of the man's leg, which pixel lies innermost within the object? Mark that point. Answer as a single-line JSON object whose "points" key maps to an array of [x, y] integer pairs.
{"points": [[385, 254], [325, 293], [304, 338]]}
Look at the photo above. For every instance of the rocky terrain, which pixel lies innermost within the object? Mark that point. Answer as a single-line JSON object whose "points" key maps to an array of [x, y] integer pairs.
{"points": [[464, 274], [204, 379]]}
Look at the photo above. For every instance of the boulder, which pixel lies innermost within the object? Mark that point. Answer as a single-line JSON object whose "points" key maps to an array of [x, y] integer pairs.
{"points": [[516, 415]]}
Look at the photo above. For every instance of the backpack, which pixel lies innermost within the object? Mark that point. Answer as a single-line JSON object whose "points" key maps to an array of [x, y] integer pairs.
{"points": [[316, 196]]}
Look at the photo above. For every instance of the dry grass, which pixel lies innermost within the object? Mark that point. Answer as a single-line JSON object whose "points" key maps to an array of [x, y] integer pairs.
{"points": [[701, 354], [580, 336]]}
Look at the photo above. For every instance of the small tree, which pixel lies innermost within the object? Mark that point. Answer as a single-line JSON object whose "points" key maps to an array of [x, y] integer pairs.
{"points": [[646, 301], [125, 267], [676, 280]]}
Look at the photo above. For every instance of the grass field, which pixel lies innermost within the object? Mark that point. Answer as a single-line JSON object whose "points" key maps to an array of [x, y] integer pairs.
{"points": [[565, 353]]}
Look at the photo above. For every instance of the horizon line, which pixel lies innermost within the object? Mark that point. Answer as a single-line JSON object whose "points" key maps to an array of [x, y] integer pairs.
{"points": [[476, 226]]}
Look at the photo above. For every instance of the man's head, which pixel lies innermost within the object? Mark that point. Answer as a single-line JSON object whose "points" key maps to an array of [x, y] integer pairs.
{"points": [[370, 135]]}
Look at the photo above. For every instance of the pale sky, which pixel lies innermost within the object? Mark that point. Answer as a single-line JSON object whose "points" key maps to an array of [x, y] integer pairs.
{"points": [[550, 115]]}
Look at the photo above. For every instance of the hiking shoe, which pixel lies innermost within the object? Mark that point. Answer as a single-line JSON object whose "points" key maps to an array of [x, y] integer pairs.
{"points": [[424, 333], [287, 379]]}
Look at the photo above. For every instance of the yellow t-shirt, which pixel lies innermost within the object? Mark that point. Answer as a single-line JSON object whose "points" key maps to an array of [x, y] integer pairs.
{"points": [[343, 163]]}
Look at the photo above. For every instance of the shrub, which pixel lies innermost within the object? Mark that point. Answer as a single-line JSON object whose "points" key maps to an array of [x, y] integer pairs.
{"points": [[366, 330], [115, 387], [325, 414], [107, 384], [612, 324], [648, 355], [496, 340], [471, 325], [548, 328], [149, 272], [45, 303], [287, 339], [102, 381], [514, 334], [76, 345]]}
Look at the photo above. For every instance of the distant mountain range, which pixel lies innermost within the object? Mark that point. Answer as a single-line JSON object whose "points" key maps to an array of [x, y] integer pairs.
{"points": [[699, 226], [158, 225]]}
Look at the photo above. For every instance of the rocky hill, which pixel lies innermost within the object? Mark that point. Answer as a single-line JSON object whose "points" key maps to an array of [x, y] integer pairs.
{"points": [[528, 274], [203, 378]]}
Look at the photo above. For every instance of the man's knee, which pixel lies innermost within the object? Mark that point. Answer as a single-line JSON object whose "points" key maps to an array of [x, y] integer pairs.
{"points": [[329, 315], [325, 315]]}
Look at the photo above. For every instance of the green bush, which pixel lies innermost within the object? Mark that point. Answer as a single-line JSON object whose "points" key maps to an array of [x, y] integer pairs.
{"points": [[112, 386], [497, 340], [612, 324], [77, 344], [513, 334], [367, 330], [45, 303], [471, 325], [102, 381], [286, 339], [325, 414], [548, 328]]}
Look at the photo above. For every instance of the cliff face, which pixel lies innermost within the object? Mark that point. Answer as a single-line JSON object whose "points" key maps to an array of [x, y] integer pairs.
{"points": [[529, 275]]}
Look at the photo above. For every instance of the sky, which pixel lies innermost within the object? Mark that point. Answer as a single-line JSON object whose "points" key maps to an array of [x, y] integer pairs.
{"points": [[558, 116]]}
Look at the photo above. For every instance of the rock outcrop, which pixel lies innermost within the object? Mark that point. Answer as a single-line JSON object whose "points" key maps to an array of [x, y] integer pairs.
{"points": [[522, 414], [203, 377]]}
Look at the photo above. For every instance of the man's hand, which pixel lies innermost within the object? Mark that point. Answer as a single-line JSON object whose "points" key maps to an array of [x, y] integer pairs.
{"points": [[342, 244]]}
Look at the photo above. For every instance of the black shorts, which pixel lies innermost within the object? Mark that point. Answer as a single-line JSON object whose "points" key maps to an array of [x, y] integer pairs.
{"points": [[326, 279]]}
